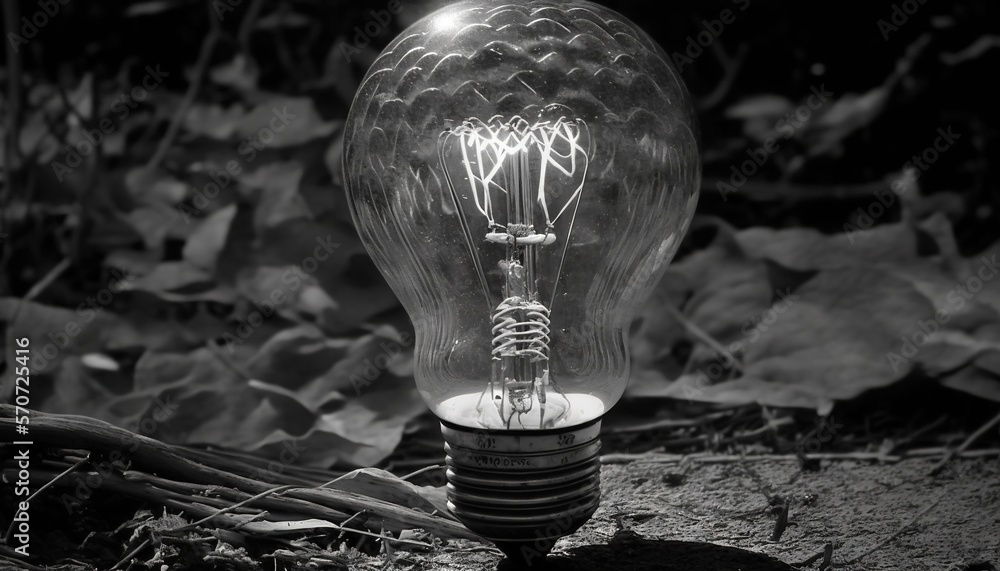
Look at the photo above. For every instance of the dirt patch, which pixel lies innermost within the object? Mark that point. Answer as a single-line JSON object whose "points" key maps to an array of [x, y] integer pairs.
{"points": [[724, 516]]}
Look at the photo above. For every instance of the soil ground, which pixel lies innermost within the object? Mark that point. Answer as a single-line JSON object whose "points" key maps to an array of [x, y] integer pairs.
{"points": [[704, 516]]}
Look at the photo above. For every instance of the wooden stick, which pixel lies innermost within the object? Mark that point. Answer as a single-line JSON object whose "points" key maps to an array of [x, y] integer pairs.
{"points": [[968, 442], [180, 475], [898, 532], [659, 458]]}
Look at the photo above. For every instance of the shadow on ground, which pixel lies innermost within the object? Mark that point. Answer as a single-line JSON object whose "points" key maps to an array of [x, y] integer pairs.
{"points": [[629, 551]]}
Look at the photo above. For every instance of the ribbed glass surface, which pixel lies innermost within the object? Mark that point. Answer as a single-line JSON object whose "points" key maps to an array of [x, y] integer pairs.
{"points": [[522, 173]]}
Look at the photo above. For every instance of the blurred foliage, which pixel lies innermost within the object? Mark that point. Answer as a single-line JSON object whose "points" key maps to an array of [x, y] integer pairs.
{"points": [[174, 229]]}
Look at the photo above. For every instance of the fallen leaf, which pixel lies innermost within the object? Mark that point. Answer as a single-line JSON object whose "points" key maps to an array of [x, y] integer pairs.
{"points": [[284, 122], [155, 222], [362, 433], [389, 487], [154, 186], [209, 238], [240, 73], [834, 340], [169, 276], [214, 121], [279, 199], [56, 332], [980, 379], [209, 401]]}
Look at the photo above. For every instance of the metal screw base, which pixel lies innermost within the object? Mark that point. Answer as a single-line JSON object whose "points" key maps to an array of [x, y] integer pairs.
{"points": [[523, 489]]}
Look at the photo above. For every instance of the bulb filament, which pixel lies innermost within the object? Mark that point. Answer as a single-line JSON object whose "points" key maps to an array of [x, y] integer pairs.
{"points": [[516, 168]]}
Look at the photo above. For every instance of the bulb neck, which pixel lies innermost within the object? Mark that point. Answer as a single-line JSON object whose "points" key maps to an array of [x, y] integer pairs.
{"points": [[523, 489]]}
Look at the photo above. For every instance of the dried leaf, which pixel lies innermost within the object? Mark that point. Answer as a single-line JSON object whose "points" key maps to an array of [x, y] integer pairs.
{"points": [[362, 433], [833, 340], [210, 403], [214, 121], [386, 486], [155, 222], [167, 277], [284, 122], [56, 332], [154, 186], [207, 241], [279, 199], [980, 379], [240, 73]]}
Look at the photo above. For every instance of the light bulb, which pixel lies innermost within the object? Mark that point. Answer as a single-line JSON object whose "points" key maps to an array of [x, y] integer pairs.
{"points": [[522, 173]]}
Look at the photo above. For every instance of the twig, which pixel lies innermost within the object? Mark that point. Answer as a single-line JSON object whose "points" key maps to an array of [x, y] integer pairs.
{"points": [[149, 455], [131, 554], [10, 529], [742, 437], [670, 423], [275, 503], [47, 279], [973, 51], [782, 523], [246, 26], [660, 458], [826, 555], [930, 452], [350, 519], [894, 535], [731, 67], [20, 565], [290, 474], [209, 512], [702, 336], [230, 508], [968, 442], [921, 431], [197, 76], [421, 471]]}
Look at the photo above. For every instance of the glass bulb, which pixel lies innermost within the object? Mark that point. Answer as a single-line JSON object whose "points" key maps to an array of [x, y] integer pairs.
{"points": [[522, 173]]}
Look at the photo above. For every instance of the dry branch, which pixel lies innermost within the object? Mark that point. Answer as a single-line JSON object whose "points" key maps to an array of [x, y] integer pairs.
{"points": [[205, 486]]}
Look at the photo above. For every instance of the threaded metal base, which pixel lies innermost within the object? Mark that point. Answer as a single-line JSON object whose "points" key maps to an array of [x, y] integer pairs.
{"points": [[523, 489]]}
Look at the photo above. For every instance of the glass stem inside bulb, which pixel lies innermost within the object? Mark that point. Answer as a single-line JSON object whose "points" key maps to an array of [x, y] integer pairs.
{"points": [[521, 322]]}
